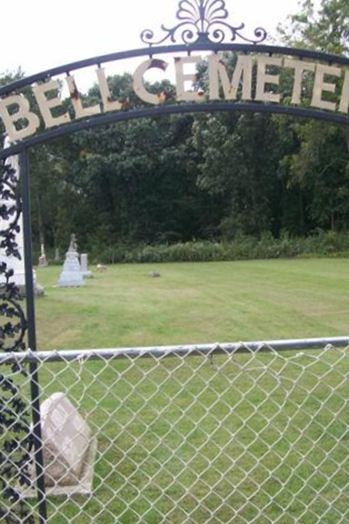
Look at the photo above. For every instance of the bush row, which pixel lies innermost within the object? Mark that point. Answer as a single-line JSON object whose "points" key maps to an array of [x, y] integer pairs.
{"points": [[243, 248]]}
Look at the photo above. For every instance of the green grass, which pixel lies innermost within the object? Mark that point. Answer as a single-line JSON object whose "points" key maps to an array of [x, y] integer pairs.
{"points": [[238, 439], [196, 303]]}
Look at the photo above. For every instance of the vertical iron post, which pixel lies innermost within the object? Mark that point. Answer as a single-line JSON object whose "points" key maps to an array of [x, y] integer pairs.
{"points": [[34, 376]]}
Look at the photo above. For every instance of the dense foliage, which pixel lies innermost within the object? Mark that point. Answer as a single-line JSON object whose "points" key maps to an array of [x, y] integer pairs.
{"points": [[191, 178]]}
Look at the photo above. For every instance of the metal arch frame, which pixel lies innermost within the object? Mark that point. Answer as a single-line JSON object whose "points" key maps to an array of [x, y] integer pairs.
{"points": [[156, 112], [183, 107], [179, 48]]}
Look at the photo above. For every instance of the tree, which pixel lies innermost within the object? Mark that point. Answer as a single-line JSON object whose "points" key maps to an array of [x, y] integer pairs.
{"points": [[128, 182], [320, 165], [324, 28], [239, 164]]}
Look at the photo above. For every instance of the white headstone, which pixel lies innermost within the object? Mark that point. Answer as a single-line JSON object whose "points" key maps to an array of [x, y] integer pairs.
{"points": [[42, 258], [66, 439], [84, 266], [69, 449], [71, 275], [43, 261]]}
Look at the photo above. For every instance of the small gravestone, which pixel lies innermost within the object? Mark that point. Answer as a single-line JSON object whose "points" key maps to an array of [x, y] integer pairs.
{"points": [[67, 441], [71, 275], [42, 258], [43, 261], [154, 274], [69, 449], [84, 266]]}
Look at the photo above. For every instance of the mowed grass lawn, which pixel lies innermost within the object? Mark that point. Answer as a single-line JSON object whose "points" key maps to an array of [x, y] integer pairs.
{"points": [[196, 303], [241, 438]]}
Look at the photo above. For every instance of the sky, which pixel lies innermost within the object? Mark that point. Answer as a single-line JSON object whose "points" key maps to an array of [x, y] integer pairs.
{"points": [[41, 34]]}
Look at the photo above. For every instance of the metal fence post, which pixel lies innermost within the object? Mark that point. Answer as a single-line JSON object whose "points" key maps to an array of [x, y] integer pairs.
{"points": [[34, 376]]}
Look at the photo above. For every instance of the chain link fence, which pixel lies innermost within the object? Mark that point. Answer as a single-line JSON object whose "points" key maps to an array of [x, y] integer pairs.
{"points": [[233, 433]]}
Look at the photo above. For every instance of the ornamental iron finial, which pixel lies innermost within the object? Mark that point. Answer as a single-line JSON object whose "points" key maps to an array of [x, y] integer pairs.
{"points": [[200, 22]]}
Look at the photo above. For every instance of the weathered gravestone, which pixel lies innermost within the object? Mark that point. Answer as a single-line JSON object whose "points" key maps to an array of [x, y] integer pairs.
{"points": [[71, 275], [43, 261], [42, 258], [69, 449], [84, 266]]}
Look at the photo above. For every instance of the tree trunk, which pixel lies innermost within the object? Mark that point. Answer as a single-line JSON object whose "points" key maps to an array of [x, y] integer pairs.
{"points": [[40, 223]]}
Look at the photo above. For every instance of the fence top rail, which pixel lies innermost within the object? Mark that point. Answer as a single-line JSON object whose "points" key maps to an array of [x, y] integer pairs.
{"points": [[167, 351]]}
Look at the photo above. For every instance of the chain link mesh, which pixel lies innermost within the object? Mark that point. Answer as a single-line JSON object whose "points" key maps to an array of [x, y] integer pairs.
{"points": [[255, 436]]}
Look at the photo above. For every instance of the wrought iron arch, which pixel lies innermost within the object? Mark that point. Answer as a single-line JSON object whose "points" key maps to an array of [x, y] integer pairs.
{"points": [[182, 107], [170, 110]]}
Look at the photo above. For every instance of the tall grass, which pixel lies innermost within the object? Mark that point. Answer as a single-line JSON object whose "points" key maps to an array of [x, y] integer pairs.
{"points": [[242, 248]]}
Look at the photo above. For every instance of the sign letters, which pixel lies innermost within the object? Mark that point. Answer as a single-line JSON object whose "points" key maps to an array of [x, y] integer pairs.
{"points": [[254, 77]]}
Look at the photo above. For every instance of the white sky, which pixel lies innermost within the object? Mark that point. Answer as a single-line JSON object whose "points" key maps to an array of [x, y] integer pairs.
{"points": [[40, 34]]}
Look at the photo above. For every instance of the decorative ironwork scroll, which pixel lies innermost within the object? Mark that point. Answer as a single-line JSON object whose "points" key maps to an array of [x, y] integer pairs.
{"points": [[203, 21], [15, 433]]}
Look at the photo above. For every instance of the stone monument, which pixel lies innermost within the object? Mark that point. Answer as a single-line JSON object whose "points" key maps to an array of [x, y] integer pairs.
{"points": [[84, 266], [69, 449], [42, 258], [17, 265], [71, 275], [57, 255]]}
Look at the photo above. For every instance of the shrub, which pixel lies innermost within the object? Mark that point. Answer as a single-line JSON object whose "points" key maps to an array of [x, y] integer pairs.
{"points": [[241, 248]]}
